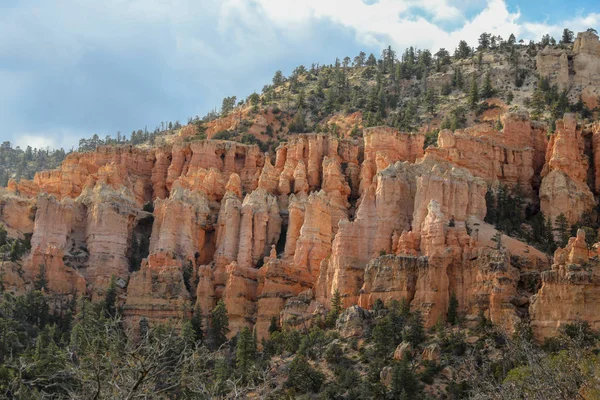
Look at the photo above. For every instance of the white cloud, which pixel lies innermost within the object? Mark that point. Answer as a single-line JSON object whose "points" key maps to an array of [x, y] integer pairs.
{"points": [[35, 141]]}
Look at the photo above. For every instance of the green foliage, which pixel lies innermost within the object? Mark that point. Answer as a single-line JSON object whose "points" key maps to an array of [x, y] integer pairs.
{"points": [[110, 298], [431, 139], [415, 331], [303, 377], [487, 90], [274, 325], [452, 317], [41, 280], [245, 351], [336, 308], [404, 382], [218, 325], [474, 93]]}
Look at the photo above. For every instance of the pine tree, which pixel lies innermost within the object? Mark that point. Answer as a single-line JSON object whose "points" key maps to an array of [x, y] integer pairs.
{"points": [[474, 94], [415, 334], [196, 325], [245, 351], [404, 307], [562, 226], [41, 281], [336, 308], [567, 36], [497, 238], [452, 310], [273, 326], [404, 382], [110, 298], [549, 236], [487, 91], [219, 325]]}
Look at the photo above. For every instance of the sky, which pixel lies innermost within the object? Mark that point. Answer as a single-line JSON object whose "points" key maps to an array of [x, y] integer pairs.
{"points": [[73, 68]]}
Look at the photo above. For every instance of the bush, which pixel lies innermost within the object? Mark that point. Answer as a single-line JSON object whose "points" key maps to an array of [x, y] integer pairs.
{"points": [[303, 378]]}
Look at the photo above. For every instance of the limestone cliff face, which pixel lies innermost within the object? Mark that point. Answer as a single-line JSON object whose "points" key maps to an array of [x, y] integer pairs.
{"points": [[184, 225]]}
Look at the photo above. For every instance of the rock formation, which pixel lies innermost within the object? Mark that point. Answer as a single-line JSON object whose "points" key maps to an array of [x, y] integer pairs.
{"points": [[564, 188], [378, 218], [577, 70], [570, 290]]}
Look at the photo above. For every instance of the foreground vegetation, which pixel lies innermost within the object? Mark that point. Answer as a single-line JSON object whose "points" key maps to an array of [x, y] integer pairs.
{"points": [[86, 351]]}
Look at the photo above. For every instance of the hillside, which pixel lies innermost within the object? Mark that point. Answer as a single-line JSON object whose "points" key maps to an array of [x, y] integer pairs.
{"points": [[421, 227]]}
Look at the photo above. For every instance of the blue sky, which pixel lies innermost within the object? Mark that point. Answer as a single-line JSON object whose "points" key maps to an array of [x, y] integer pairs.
{"points": [[73, 68]]}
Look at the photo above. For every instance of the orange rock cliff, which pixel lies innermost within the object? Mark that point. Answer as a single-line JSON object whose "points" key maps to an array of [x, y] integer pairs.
{"points": [[377, 217]]}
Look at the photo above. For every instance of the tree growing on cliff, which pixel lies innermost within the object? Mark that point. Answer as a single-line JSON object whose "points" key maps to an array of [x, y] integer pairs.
{"points": [[336, 308], [474, 93], [110, 298], [245, 352], [219, 325], [463, 50], [405, 384], [41, 280], [415, 332], [487, 90], [452, 317], [567, 36], [273, 326], [562, 227]]}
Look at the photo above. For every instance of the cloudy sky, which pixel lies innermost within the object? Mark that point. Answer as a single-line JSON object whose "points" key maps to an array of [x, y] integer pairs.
{"points": [[72, 68]]}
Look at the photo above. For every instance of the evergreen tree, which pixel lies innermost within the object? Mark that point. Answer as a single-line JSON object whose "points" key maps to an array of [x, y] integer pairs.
{"points": [[278, 78], [110, 298], [371, 61], [567, 36], [273, 326], [463, 50], [245, 351], [549, 236], [562, 226], [487, 91], [452, 310], [415, 333], [474, 93], [303, 378], [404, 382], [3, 235], [196, 325], [497, 238], [219, 325], [484, 41], [41, 280], [336, 308]]}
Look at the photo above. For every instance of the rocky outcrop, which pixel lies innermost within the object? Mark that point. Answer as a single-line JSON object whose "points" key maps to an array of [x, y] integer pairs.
{"points": [[158, 293], [180, 226], [570, 290], [394, 203], [110, 219], [564, 188], [385, 146], [490, 156], [354, 322], [17, 214], [577, 70]]}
